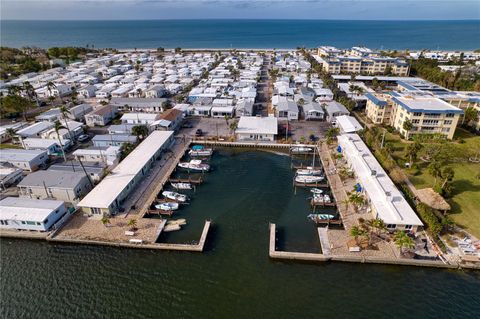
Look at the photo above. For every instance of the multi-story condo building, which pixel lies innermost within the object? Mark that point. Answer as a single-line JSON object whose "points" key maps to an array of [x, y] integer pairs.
{"points": [[426, 113], [364, 65]]}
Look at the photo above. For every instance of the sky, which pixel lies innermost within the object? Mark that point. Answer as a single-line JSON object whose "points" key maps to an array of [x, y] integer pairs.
{"points": [[239, 9]]}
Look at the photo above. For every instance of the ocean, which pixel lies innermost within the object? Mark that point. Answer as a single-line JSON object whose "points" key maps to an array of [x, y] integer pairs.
{"points": [[234, 277], [443, 35]]}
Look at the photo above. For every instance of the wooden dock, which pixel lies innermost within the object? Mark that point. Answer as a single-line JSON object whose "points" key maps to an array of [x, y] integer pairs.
{"points": [[322, 185], [323, 204], [160, 212], [196, 181]]}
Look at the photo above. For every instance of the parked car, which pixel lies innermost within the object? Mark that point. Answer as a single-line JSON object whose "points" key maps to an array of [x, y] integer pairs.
{"points": [[83, 138], [198, 132]]}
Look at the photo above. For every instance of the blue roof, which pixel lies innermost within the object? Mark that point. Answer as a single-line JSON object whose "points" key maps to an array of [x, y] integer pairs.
{"points": [[407, 86], [375, 100]]}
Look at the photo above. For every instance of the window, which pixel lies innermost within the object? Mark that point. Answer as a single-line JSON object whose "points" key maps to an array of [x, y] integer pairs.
{"points": [[450, 115], [415, 121], [391, 226], [447, 122], [417, 114], [408, 227], [96, 210]]}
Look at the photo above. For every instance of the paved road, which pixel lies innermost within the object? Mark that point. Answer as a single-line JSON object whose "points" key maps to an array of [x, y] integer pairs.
{"points": [[263, 94]]}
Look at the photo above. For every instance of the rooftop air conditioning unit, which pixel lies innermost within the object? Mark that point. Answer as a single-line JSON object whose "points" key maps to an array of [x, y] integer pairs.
{"points": [[374, 172]]}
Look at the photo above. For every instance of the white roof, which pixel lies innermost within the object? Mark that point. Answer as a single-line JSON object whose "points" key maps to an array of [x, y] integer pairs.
{"points": [[111, 186], [39, 142], [139, 116], [35, 210], [257, 125], [19, 155], [348, 124], [389, 203]]}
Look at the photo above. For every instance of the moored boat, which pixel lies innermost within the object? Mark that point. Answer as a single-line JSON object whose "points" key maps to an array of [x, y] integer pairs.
{"points": [[301, 149], [307, 179], [316, 217], [167, 206], [181, 185], [309, 171], [180, 222], [171, 227], [175, 196], [199, 150], [195, 165], [316, 191], [322, 198]]}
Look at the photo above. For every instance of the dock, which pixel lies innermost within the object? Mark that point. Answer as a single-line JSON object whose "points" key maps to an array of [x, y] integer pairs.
{"points": [[324, 242], [196, 181], [160, 212], [321, 204], [322, 185]]}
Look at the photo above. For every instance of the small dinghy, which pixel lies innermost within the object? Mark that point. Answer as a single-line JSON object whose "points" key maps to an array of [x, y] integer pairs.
{"points": [[316, 191], [181, 185], [175, 196], [167, 206]]}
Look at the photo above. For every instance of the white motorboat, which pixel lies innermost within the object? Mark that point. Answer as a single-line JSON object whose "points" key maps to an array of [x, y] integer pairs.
{"points": [[175, 196], [301, 149], [180, 222], [172, 227], [195, 165], [199, 150], [316, 217], [316, 191], [181, 185], [322, 198], [309, 171], [307, 179], [167, 206]]}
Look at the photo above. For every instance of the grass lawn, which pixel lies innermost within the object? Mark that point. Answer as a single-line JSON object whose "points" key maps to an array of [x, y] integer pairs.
{"points": [[465, 202], [3, 146]]}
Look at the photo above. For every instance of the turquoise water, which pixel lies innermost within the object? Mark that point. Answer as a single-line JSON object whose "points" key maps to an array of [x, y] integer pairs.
{"points": [[446, 35], [234, 278]]}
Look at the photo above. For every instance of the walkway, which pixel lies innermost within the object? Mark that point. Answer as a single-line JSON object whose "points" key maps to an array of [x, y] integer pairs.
{"points": [[324, 242]]}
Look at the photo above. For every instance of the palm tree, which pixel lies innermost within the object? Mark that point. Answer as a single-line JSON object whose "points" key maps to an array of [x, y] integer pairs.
{"points": [[58, 126], [30, 92], [412, 151], [403, 241], [407, 126], [14, 90], [140, 131], [139, 92], [233, 126], [74, 95], [331, 133], [132, 223], [64, 111], [357, 232], [356, 200], [447, 174], [126, 149], [10, 132], [105, 221], [435, 169]]}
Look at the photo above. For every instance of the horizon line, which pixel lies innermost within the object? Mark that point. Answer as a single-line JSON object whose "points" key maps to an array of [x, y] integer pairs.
{"points": [[236, 19]]}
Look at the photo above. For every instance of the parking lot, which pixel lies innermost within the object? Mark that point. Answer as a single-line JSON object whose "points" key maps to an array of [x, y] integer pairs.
{"points": [[213, 127]]}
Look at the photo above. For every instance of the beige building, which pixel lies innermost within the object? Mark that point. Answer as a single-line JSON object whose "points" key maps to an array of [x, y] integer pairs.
{"points": [[427, 114], [364, 65]]}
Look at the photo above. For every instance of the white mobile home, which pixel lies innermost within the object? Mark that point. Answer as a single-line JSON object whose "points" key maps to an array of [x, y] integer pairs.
{"points": [[28, 160], [30, 214]]}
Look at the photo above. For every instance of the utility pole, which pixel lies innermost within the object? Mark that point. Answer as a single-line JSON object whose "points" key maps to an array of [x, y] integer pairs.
{"points": [[85, 171]]}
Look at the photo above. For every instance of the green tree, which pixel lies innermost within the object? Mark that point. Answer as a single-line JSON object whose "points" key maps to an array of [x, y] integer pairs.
{"points": [[407, 126], [233, 126], [357, 232], [447, 175], [412, 151], [105, 221], [58, 126], [65, 111], [126, 149], [140, 131], [132, 223], [435, 169], [357, 200], [403, 241], [331, 133], [15, 103], [470, 115]]}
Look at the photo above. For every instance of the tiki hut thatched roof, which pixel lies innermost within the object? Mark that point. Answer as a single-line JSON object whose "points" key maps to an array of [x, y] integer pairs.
{"points": [[433, 199]]}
